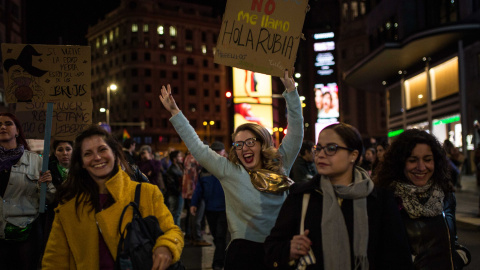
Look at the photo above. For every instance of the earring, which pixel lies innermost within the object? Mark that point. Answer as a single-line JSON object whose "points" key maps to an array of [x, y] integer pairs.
{"points": [[353, 161], [16, 135]]}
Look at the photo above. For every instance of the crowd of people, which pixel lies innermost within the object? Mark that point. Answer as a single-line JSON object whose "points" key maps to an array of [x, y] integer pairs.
{"points": [[299, 205]]}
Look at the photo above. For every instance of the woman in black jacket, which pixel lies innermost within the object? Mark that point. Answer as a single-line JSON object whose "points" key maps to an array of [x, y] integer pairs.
{"points": [[416, 169], [349, 224]]}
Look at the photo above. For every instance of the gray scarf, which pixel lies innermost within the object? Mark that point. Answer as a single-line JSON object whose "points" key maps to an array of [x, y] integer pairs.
{"points": [[411, 196], [335, 240]]}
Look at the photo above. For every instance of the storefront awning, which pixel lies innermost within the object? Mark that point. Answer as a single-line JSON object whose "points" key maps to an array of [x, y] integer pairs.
{"points": [[387, 60]]}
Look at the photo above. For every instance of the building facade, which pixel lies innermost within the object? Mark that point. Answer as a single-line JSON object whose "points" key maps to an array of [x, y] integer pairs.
{"points": [[143, 45], [424, 58]]}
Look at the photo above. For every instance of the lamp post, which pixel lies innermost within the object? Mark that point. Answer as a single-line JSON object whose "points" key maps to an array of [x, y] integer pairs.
{"points": [[111, 87], [207, 124]]}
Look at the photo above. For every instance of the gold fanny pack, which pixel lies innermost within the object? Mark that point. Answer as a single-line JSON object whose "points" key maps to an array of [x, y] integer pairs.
{"points": [[270, 182]]}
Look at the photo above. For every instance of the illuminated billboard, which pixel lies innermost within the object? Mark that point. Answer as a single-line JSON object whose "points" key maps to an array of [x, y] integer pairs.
{"points": [[252, 98], [326, 100]]}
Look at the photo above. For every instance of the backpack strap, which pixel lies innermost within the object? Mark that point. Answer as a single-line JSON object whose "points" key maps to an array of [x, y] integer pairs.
{"points": [[138, 190]]}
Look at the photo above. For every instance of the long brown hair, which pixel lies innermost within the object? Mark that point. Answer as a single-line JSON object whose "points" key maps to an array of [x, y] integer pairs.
{"points": [[79, 184], [21, 136]]}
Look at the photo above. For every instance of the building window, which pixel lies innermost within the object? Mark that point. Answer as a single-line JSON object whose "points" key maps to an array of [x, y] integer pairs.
{"points": [[117, 31], [217, 108], [174, 60], [204, 36], [205, 77], [190, 61], [416, 91], [354, 9], [206, 93], [145, 28], [134, 28], [173, 31], [163, 58], [204, 49], [206, 108], [148, 72], [105, 40], [191, 76], [205, 63], [134, 56], [175, 75], [217, 78], [189, 47], [188, 34], [97, 43], [146, 56], [175, 90], [135, 104], [191, 107], [161, 44], [345, 12], [135, 88], [444, 79], [173, 45], [217, 93], [192, 91], [111, 35], [160, 30]]}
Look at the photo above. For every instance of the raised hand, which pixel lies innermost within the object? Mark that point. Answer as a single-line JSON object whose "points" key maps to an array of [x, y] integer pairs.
{"points": [[168, 101], [288, 81]]}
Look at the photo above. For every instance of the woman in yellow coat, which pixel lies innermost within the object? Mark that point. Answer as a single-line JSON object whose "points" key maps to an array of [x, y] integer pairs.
{"points": [[85, 230]]}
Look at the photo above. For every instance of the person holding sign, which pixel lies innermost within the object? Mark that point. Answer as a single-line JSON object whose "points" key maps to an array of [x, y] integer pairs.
{"points": [[85, 232], [254, 178], [20, 178]]}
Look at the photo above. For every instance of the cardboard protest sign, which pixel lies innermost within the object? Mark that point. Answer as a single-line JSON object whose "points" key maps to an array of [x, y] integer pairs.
{"points": [[261, 35], [46, 73], [68, 120]]}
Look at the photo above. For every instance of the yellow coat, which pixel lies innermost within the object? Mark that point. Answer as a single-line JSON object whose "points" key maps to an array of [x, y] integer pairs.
{"points": [[73, 241]]}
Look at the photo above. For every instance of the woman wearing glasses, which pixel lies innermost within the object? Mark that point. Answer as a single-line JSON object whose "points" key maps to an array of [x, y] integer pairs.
{"points": [[254, 178], [348, 224]]}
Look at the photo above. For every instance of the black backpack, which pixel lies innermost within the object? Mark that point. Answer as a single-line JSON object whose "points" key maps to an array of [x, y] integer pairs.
{"points": [[136, 243]]}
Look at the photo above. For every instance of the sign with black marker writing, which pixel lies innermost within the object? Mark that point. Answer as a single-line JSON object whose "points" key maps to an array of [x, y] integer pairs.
{"points": [[261, 35], [68, 120], [46, 73]]}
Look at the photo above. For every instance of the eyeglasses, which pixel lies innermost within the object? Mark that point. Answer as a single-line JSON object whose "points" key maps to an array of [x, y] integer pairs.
{"points": [[249, 142], [330, 149]]}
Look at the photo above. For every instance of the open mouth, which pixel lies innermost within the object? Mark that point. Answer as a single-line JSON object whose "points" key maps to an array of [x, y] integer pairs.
{"points": [[248, 158]]}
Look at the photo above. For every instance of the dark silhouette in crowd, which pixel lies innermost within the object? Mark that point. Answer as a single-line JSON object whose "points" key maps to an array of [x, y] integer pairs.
{"points": [[456, 160], [129, 150], [173, 183], [193, 223], [85, 232], [151, 167], [210, 191], [381, 148], [348, 224], [369, 159], [59, 166], [415, 168], [303, 168], [21, 229], [252, 199]]}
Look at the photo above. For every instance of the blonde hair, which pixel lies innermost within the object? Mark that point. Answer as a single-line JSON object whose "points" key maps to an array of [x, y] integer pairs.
{"points": [[270, 156]]}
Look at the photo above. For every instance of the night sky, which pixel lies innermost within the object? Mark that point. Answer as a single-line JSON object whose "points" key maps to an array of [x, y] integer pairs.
{"points": [[66, 22]]}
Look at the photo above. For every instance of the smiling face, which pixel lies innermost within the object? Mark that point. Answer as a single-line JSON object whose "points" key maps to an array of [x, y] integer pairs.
{"points": [[63, 152], [318, 99], [8, 131], [249, 156], [420, 165], [97, 158], [338, 167]]}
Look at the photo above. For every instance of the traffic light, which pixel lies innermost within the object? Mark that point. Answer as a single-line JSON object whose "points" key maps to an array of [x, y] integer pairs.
{"points": [[229, 97]]}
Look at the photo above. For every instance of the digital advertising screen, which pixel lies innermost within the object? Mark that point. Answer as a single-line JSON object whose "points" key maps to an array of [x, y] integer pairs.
{"points": [[252, 98]]}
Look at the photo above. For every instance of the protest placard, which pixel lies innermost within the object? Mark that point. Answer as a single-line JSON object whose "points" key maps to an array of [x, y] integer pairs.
{"points": [[68, 119], [46, 73], [261, 35]]}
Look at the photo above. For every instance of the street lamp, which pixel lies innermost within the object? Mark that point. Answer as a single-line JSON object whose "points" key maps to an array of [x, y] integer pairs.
{"points": [[207, 124], [111, 87]]}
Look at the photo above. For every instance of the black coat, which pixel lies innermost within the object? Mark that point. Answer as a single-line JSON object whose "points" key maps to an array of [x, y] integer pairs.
{"points": [[429, 240], [387, 243]]}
